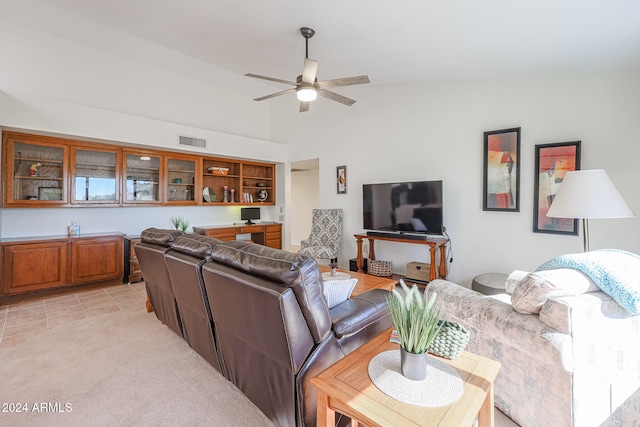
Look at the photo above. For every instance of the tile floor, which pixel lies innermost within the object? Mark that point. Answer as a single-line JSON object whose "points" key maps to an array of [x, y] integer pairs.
{"points": [[23, 320]]}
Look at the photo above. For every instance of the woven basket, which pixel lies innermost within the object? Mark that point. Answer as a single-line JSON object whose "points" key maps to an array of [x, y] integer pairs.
{"points": [[450, 340], [379, 268]]}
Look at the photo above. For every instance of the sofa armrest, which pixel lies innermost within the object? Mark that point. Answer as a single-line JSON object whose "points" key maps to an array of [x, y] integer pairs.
{"points": [[358, 312]]}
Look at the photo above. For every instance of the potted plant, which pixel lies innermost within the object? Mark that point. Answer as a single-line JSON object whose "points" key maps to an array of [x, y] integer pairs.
{"points": [[180, 223], [416, 321]]}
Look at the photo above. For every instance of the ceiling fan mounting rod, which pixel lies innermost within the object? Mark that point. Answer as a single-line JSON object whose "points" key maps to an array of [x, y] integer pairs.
{"points": [[307, 33]]}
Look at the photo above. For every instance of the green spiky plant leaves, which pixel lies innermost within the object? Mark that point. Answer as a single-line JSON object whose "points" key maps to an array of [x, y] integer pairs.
{"points": [[414, 317], [179, 223]]}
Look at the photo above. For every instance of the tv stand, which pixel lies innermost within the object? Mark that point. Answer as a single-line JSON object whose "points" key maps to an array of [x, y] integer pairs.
{"points": [[432, 242]]}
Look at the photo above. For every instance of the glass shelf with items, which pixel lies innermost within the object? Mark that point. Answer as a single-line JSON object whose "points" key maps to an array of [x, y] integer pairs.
{"points": [[38, 172], [142, 173], [181, 180]]}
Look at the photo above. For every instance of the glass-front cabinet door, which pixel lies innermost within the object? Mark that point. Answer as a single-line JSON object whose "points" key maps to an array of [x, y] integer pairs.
{"points": [[143, 177], [37, 175], [181, 180], [95, 176]]}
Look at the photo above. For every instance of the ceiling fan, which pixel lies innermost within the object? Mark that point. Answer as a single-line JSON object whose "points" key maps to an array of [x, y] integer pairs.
{"points": [[307, 87]]}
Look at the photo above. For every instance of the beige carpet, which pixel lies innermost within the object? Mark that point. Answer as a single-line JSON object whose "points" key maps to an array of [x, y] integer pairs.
{"points": [[119, 369]]}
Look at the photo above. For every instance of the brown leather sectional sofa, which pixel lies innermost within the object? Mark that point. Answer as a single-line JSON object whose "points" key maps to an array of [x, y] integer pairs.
{"points": [[257, 314]]}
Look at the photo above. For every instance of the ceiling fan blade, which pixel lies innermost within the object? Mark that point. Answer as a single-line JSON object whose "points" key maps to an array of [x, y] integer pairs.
{"points": [[309, 71], [262, 98], [336, 97], [256, 76], [346, 81], [304, 106]]}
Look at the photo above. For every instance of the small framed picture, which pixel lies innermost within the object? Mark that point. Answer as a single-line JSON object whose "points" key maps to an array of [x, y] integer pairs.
{"points": [[553, 161], [501, 183], [341, 172], [49, 193]]}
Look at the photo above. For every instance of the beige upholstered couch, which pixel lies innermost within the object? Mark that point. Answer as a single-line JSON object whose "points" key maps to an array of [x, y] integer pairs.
{"points": [[575, 363]]}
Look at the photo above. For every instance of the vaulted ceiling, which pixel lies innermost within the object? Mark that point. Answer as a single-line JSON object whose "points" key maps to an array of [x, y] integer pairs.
{"points": [[401, 42]]}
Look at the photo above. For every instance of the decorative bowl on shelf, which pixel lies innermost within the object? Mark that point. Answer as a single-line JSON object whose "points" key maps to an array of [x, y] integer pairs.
{"points": [[218, 170], [263, 195]]}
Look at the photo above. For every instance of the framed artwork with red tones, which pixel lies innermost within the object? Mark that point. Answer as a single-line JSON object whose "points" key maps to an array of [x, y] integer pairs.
{"points": [[501, 183], [553, 161]]}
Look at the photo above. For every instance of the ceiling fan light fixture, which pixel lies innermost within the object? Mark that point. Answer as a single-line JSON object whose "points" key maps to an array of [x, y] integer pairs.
{"points": [[306, 93]]}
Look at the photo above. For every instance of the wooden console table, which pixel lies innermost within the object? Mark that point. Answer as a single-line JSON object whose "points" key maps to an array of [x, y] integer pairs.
{"points": [[433, 244]]}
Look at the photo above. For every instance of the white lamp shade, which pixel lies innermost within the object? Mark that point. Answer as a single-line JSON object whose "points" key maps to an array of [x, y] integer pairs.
{"points": [[588, 194], [306, 94]]}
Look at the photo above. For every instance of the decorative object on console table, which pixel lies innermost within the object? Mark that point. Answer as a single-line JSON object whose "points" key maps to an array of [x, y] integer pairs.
{"points": [[553, 161], [501, 183], [341, 172], [416, 321], [380, 268], [588, 194]]}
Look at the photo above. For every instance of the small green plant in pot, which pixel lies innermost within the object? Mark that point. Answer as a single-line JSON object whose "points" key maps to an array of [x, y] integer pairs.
{"points": [[179, 223], [415, 318]]}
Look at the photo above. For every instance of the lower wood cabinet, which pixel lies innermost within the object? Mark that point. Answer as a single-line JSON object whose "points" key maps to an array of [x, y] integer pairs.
{"points": [[132, 270], [263, 234], [42, 263]]}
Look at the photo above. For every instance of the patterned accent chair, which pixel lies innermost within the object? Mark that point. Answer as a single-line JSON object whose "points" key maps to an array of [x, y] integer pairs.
{"points": [[326, 234]]}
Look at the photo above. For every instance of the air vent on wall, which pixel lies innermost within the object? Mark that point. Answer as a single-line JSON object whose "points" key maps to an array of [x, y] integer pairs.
{"points": [[192, 142]]}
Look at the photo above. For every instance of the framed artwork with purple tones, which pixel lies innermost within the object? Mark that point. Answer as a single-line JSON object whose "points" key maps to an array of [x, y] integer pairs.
{"points": [[501, 181], [553, 161]]}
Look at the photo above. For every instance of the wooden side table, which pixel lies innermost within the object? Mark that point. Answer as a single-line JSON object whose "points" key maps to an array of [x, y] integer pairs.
{"points": [[346, 388]]}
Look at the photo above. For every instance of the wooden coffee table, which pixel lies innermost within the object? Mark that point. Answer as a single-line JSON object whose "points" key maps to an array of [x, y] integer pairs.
{"points": [[346, 388], [366, 282]]}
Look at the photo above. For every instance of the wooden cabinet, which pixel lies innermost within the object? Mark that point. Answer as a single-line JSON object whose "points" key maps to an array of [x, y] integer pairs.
{"points": [[43, 171], [43, 263], [96, 175], [30, 267], [36, 172], [183, 180], [262, 234], [143, 175], [96, 259], [246, 183], [132, 270], [273, 236]]}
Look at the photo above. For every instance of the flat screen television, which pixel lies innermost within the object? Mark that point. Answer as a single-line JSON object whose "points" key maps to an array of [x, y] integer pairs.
{"points": [[403, 207], [247, 214]]}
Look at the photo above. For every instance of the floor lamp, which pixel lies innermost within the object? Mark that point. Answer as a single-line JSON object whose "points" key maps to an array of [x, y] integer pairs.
{"points": [[588, 194]]}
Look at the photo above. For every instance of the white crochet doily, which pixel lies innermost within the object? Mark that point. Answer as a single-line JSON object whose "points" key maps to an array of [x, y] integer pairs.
{"points": [[338, 276], [441, 387]]}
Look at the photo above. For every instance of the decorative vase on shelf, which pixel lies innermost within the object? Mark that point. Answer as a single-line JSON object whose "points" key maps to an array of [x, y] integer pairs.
{"points": [[225, 196], [233, 194], [415, 319]]}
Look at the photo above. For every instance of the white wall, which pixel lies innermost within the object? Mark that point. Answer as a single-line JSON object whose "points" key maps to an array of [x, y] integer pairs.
{"points": [[305, 197], [424, 132]]}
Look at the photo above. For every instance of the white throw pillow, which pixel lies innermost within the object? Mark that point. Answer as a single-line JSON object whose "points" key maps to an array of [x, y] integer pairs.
{"points": [[535, 289], [338, 291]]}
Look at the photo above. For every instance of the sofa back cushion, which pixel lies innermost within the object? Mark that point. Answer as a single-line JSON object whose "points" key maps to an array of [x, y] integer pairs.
{"points": [[298, 272], [159, 236], [195, 245]]}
